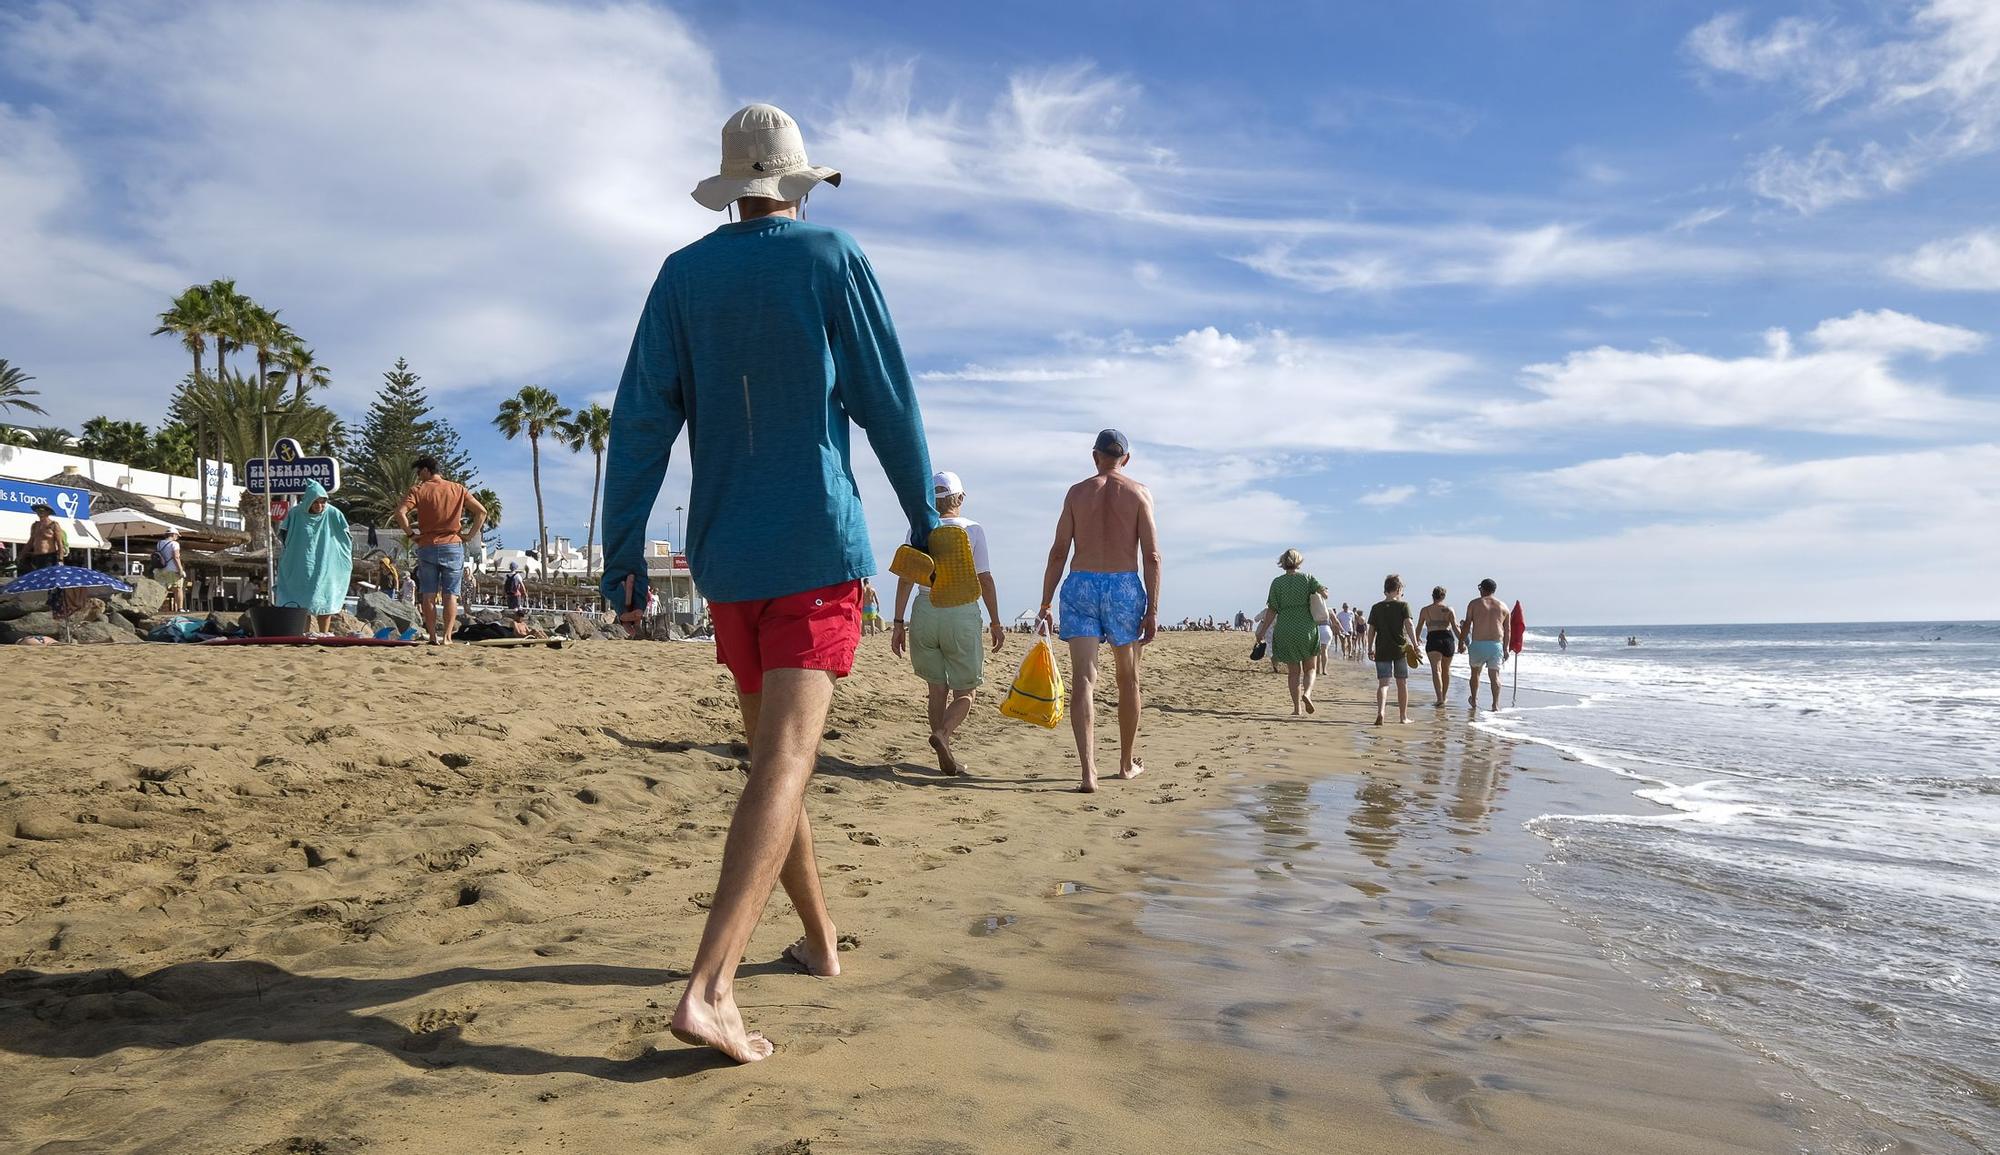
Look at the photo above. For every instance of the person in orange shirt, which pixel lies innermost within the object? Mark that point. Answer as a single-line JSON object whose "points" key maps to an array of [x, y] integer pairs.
{"points": [[441, 507]]}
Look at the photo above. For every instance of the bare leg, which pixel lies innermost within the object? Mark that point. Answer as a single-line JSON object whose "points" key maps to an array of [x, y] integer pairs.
{"points": [[428, 604], [1306, 675], [1292, 684], [450, 618], [1403, 700], [764, 834], [1438, 677], [1381, 699], [1127, 658], [947, 710], [1082, 701], [1493, 676], [819, 950]]}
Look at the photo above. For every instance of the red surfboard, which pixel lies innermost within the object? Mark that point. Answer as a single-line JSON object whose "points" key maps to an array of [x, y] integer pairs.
{"points": [[302, 640]]}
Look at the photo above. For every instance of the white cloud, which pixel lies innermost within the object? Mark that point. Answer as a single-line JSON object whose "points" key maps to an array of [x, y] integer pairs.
{"points": [[1946, 485], [1936, 88], [1389, 259], [1226, 393], [1850, 384], [1383, 498], [1889, 332], [1971, 261], [485, 187]]}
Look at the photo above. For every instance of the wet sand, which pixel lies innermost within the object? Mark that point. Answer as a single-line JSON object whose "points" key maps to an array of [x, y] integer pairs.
{"points": [[440, 900]]}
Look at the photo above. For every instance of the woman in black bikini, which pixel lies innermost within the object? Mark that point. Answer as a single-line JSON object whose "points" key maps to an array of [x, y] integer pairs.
{"points": [[1440, 627]]}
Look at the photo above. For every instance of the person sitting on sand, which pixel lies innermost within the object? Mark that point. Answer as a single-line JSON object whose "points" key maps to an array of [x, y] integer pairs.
{"points": [[521, 627], [763, 339], [1108, 520], [1485, 634], [943, 641], [1292, 632], [1390, 627]]}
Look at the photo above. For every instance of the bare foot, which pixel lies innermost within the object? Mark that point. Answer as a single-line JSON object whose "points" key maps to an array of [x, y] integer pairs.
{"points": [[1089, 786], [946, 763], [1308, 702], [1132, 771], [1378, 719], [820, 961], [700, 1023]]}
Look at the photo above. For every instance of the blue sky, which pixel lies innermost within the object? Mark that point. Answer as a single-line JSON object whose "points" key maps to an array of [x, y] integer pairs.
{"points": [[1663, 312]]}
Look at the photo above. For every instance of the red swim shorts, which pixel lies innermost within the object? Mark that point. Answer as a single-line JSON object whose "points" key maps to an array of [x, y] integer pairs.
{"points": [[815, 630]]}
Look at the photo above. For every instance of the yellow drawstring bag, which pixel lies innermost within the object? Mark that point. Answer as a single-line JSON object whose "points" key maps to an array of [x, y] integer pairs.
{"points": [[1037, 693], [956, 580]]}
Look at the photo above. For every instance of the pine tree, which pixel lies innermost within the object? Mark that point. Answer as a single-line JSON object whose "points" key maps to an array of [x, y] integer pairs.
{"points": [[399, 428]]}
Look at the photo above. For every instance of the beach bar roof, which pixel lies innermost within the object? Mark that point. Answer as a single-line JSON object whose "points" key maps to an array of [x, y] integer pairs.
{"points": [[109, 501]]}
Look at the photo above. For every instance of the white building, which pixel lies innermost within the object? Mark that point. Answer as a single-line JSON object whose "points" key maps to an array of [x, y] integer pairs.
{"points": [[169, 492]]}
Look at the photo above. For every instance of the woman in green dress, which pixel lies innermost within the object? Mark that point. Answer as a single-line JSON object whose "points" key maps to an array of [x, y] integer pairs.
{"points": [[1292, 630]]}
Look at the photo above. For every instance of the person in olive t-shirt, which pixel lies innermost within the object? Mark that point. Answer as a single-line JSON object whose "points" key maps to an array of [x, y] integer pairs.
{"points": [[1389, 626]]}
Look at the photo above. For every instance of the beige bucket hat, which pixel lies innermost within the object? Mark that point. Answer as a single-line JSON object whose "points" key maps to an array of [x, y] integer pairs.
{"points": [[763, 155]]}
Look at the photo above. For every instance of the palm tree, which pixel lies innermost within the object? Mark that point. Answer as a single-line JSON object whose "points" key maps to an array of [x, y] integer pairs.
{"points": [[122, 441], [299, 361], [14, 435], [188, 318], [52, 438], [226, 309], [264, 332], [230, 409], [11, 393], [534, 411], [589, 429], [491, 500]]}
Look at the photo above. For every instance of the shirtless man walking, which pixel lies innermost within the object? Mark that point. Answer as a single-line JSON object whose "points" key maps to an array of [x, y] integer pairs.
{"points": [[1107, 520], [1485, 635]]}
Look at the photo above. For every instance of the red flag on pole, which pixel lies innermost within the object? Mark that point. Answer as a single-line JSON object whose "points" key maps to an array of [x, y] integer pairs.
{"points": [[1517, 636]]}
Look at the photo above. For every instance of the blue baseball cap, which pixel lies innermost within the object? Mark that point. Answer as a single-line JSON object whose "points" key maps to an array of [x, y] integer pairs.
{"points": [[1112, 443]]}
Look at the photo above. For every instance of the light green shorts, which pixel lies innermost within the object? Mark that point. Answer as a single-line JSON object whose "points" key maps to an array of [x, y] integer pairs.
{"points": [[944, 645]]}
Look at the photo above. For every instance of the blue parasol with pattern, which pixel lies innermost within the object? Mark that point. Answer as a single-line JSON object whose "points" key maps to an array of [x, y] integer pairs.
{"points": [[64, 577]]}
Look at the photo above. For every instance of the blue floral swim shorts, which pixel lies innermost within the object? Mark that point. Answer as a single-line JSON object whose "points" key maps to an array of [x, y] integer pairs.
{"points": [[1108, 606]]}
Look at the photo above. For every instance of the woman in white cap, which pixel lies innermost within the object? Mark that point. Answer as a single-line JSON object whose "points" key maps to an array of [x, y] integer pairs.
{"points": [[943, 641]]}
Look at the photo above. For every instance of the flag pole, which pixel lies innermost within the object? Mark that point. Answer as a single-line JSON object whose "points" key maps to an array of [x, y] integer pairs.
{"points": [[1517, 679]]}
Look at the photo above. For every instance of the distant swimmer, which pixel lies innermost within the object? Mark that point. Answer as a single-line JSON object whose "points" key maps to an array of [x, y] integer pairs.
{"points": [[1107, 523], [1390, 627], [1439, 627], [1562, 640], [1485, 634]]}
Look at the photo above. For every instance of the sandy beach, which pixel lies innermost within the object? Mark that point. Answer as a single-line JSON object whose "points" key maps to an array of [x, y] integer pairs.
{"points": [[434, 900]]}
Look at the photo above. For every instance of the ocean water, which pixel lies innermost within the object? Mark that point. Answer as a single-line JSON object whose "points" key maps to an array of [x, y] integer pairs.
{"points": [[1822, 881]]}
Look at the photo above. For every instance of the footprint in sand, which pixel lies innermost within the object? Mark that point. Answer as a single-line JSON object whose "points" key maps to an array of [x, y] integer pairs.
{"points": [[1444, 1098], [864, 837]]}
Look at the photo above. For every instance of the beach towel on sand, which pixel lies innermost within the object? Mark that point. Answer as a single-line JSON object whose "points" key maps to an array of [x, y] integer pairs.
{"points": [[1037, 693], [318, 562]]}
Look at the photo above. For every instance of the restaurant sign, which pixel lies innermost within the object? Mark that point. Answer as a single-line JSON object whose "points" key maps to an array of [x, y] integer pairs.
{"points": [[288, 470], [24, 496]]}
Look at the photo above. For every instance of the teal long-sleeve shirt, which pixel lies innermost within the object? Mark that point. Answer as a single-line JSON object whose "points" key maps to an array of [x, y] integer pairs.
{"points": [[765, 338]]}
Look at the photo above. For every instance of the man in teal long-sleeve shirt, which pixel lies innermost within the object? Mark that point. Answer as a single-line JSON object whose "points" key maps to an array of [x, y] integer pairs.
{"points": [[764, 339]]}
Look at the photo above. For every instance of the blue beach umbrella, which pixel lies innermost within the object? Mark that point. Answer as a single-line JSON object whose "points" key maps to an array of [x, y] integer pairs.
{"points": [[64, 577]]}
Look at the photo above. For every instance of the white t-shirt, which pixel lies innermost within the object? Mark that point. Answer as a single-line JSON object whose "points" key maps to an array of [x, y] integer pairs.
{"points": [[1346, 622], [974, 531]]}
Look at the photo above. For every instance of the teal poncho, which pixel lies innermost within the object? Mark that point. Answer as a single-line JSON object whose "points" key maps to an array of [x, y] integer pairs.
{"points": [[318, 562]]}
